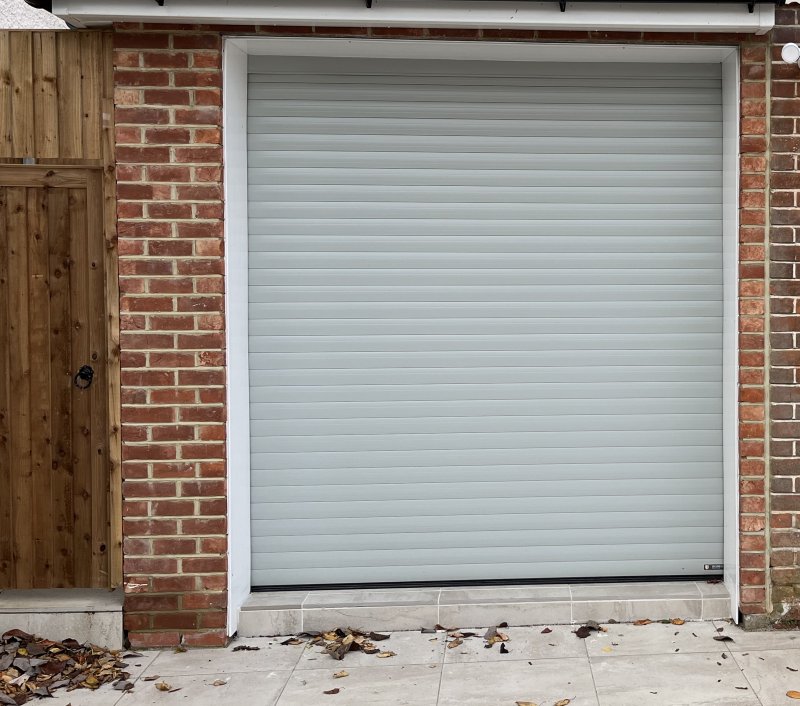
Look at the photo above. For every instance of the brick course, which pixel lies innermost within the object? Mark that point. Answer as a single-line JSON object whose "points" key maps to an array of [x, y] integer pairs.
{"points": [[169, 167]]}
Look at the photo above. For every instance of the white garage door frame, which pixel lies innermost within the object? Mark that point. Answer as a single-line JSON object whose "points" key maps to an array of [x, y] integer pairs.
{"points": [[236, 51]]}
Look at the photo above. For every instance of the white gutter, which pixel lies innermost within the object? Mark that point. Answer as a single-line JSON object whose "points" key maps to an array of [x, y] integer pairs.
{"points": [[598, 16]]}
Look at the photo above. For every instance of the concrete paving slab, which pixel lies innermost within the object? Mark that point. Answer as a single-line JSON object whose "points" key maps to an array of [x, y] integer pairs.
{"points": [[411, 685], [747, 641], [523, 644], [271, 655], [656, 638], [704, 679], [262, 688], [409, 648], [770, 673], [503, 683]]}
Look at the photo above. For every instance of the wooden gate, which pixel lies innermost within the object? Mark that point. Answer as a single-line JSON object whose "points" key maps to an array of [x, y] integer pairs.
{"points": [[57, 386], [60, 485]]}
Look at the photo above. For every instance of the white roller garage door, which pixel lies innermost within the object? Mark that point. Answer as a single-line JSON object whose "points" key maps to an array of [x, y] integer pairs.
{"points": [[485, 320]]}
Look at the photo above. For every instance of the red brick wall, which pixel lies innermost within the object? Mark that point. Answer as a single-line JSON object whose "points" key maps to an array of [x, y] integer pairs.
{"points": [[785, 323], [169, 194], [169, 158]]}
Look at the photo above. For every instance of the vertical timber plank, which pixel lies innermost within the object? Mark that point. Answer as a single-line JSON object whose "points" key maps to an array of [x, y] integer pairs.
{"points": [[112, 316], [6, 144], [98, 347], [90, 92], [20, 380], [81, 399], [60, 388], [40, 522], [45, 94], [6, 552], [22, 121], [70, 138]]}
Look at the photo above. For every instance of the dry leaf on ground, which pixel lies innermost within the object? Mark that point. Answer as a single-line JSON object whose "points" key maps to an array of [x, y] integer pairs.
{"points": [[454, 643], [163, 686], [723, 638], [331, 691], [33, 667], [245, 648], [219, 682], [642, 621], [547, 631], [341, 675], [563, 702], [384, 655], [677, 621], [337, 643], [525, 703], [793, 694]]}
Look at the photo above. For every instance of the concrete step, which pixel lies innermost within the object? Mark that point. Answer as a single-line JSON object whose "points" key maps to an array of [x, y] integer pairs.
{"points": [[85, 614], [266, 614]]}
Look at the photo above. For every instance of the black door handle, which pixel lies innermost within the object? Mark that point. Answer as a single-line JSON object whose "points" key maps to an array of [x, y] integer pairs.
{"points": [[83, 378]]}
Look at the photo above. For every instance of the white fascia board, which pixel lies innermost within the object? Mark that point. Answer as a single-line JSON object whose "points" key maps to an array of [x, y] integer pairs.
{"points": [[602, 16]]}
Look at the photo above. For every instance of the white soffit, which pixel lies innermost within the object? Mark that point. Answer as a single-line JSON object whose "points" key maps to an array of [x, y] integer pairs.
{"points": [[600, 16]]}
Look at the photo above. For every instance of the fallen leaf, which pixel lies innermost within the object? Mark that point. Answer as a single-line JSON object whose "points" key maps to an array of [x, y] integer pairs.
{"points": [[123, 685], [503, 648], [740, 688], [245, 648], [341, 675], [525, 703], [179, 649], [723, 638], [219, 682], [384, 655], [292, 641], [453, 643], [546, 631], [503, 625], [151, 678], [583, 632], [677, 621], [642, 621], [378, 636], [563, 702], [163, 686], [793, 694], [331, 691], [791, 669]]}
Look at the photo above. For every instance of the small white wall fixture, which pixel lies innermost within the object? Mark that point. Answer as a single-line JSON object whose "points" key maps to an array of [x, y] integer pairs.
{"points": [[236, 50]]}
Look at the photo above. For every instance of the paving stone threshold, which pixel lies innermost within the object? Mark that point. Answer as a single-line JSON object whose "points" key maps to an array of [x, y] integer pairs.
{"points": [[266, 614]]}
